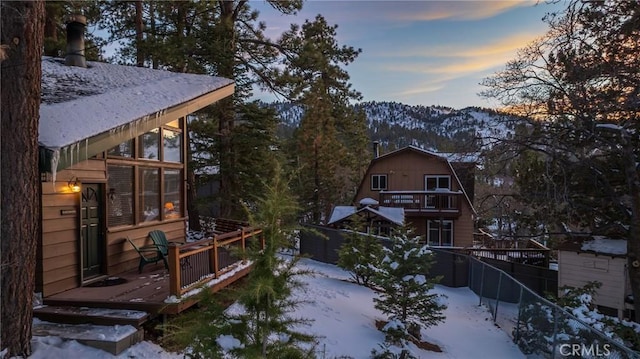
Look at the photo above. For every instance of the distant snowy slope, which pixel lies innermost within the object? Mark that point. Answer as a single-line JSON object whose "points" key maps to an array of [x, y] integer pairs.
{"points": [[397, 125]]}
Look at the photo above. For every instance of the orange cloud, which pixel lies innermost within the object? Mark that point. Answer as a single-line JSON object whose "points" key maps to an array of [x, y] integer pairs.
{"points": [[462, 10]]}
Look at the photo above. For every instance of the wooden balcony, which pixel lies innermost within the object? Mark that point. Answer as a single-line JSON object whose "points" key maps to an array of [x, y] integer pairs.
{"points": [[214, 263], [425, 203]]}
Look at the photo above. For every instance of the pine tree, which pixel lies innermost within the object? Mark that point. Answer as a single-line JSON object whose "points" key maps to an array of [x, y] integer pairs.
{"points": [[360, 253], [330, 145], [578, 87], [403, 277]]}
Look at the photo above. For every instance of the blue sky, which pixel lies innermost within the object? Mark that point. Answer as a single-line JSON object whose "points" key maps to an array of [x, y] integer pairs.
{"points": [[423, 52]]}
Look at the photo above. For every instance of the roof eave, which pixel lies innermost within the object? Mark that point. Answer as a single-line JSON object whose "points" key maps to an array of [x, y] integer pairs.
{"points": [[91, 146]]}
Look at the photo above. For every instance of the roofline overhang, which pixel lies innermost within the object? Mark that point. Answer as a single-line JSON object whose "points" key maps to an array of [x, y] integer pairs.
{"points": [[91, 146]]}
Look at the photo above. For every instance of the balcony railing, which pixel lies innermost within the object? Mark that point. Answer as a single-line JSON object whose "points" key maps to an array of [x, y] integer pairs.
{"points": [[436, 202], [195, 263]]}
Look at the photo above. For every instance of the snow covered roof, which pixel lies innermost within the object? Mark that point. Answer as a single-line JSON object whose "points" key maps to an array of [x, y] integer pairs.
{"points": [[391, 214], [78, 103], [605, 245], [597, 245]]}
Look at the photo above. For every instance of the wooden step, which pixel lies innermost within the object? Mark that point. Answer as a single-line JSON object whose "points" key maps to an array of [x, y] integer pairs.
{"points": [[84, 315], [113, 339]]}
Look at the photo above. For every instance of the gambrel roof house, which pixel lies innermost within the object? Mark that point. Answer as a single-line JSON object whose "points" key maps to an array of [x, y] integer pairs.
{"points": [[113, 147], [436, 200]]}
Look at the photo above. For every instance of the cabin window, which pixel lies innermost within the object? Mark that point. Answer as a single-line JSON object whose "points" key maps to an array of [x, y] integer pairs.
{"points": [[378, 182], [172, 193], [125, 149], [172, 146], [440, 233], [149, 194], [120, 195], [435, 183], [148, 145]]}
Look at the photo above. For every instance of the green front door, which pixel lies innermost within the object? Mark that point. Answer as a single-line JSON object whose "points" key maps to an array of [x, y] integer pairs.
{"points": [[91, 233]]}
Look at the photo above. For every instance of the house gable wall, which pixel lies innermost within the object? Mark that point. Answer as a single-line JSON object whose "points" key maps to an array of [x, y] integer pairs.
{"points": [[405, 170]]}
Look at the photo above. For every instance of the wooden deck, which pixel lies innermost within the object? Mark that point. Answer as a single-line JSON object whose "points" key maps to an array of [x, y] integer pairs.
{"points": [[147, 292]]}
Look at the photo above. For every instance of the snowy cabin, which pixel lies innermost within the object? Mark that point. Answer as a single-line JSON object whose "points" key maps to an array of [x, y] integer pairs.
{"points": [[112, 161], [583, 260], [434, 190]]}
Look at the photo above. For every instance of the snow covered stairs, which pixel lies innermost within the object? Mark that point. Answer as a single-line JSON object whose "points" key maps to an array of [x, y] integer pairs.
{"points": [[111, 330]]}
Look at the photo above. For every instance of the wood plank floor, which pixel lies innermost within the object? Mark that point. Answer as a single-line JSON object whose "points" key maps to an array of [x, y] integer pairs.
{"points": [[144, 292]]}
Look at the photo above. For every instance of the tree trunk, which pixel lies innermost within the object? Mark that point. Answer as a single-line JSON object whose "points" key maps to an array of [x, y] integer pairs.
{"points": [[23, 30], [192, 207], [139, 34], [226, 111]]}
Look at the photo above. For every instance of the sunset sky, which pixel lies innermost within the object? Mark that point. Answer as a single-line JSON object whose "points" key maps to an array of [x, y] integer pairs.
{"points": [[423, 52]]}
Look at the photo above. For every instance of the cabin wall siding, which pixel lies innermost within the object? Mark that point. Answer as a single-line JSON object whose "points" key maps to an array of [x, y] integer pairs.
{"points": [[577, 269], [59, 265]]}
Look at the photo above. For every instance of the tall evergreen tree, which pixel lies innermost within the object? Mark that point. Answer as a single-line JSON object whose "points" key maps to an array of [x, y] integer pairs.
{"points": [[330, 144], [22, 24], [403, 277], [579, 86]]}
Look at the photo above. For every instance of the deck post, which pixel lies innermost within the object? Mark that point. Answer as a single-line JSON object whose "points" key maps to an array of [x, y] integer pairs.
{"points": [[242, 240], [174, 270], [214, 256]]}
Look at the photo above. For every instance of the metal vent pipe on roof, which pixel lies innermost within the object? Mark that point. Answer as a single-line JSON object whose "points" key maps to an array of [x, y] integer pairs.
{"points": [[376, 149], [75, 41]]}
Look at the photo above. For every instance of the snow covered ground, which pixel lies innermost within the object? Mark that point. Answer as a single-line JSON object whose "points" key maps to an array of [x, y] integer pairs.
{"points": [[343, 317]]}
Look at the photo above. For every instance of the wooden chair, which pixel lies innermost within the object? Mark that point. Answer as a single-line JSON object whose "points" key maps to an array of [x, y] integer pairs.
{"points": [[150, 254]]}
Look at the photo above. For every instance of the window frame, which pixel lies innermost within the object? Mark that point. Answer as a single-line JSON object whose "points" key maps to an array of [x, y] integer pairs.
{"points": [[440, 230], [379, 176], [138, 164]]}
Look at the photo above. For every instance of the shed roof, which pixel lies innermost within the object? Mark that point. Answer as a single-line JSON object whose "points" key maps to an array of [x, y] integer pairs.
{"points": [[595, 245]]}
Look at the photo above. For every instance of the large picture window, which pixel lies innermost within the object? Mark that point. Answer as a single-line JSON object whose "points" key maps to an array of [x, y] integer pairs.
{"points": [[378, 182], [172, 193], [141, 191], [148, 145], [149, 194], [172, 145]]}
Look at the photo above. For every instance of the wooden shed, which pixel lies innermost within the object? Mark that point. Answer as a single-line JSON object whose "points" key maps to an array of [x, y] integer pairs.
{"points": [[583, 260]]}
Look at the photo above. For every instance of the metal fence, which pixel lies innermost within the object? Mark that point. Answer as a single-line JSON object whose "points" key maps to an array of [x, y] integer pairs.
{"points": [[540, 328]]}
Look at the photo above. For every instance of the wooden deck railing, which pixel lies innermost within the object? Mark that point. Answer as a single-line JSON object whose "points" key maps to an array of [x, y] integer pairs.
{"points": [[192, 264], [423, 201]]}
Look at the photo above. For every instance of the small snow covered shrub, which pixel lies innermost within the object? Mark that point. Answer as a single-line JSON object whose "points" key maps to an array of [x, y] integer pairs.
{"points": [[403, 277], [359, 254]]}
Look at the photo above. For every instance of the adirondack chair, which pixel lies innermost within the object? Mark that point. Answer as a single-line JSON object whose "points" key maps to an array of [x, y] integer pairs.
{"points": [[159, 239], [149, 254]]}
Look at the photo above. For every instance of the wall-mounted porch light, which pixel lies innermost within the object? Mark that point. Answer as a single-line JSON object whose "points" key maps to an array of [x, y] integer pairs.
{"points": [[73, 185]]}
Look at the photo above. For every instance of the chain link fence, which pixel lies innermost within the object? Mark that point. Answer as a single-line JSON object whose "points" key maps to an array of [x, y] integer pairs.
{"points": [[540, 328]]}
